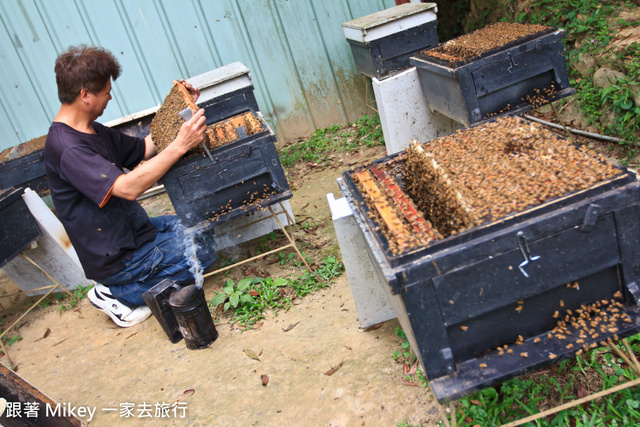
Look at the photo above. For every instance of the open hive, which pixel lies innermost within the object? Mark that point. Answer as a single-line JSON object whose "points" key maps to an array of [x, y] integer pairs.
{"points": [[485, 40], [167, 122], [474, 177]]}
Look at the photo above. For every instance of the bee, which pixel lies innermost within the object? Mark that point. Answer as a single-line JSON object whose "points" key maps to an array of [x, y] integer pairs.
{"points": [[561, 303], [524, 354], [464, 328], [483, 365], [509, 351], [552, 356], [555, 315], [569, 346], [519, 308], [536, 340]]}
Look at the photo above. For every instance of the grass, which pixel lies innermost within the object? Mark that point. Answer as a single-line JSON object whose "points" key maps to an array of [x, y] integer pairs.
{"points": [[248, 301], [321, 147]]}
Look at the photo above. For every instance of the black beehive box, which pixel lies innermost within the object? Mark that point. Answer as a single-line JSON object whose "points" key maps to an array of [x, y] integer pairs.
{"points": [[245, 175], [18, 228], [509, 80], [25, 171], [381, 43], [485, 287]]}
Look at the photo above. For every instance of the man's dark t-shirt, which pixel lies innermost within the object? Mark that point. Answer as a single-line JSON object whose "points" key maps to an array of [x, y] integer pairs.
{"points": [[82, 169]]}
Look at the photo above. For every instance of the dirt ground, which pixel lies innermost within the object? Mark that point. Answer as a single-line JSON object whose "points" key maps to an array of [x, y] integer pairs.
{"points": [[85, 360]]}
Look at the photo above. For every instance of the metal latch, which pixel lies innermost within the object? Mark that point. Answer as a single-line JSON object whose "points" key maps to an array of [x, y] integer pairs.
{"points": [[512, 62], [447, 359], [590, 218], [524, 248]]}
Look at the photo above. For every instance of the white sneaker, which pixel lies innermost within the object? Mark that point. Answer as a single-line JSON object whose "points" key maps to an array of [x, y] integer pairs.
{"points": [[101, 298]]}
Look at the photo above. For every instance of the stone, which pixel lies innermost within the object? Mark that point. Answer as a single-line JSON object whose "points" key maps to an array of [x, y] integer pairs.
{"points": [[585, 65], [635, 92], [605, 77]]}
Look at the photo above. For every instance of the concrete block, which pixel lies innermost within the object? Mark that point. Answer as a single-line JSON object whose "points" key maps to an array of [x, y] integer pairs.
{"points": [[405, 114], [369, 296]]}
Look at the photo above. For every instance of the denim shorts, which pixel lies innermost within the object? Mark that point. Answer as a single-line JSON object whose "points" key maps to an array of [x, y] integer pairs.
{"points": [[169, 256]]}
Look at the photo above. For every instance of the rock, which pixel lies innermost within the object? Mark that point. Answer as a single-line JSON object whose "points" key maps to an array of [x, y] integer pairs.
{"points": [[608, 117], [635, 92], [605, 77], [585, 65]]}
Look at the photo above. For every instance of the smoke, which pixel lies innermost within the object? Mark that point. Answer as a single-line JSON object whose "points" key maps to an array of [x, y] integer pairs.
{"points": [[191, 249]]}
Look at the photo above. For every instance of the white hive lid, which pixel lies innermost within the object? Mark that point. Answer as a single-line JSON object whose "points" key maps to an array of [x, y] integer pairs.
{"points": [[389, 21]]}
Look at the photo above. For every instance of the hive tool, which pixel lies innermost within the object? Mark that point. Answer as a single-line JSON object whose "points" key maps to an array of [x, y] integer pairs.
{"points": [[186, 114]]}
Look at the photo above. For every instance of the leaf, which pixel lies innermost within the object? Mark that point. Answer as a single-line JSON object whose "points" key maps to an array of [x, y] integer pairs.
{"points": [[373, 327], [234, 299], [280, 282], [46, 334], [334, 369], [219, 298], [228, 290], [290, 327], [409, 383], [246, 298], [476, 402], [251, 354], [244, 284], [414, 368]]}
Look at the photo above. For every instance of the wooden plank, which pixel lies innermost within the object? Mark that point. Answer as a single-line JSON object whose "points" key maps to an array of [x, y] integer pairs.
{"points": [[391, 220]]}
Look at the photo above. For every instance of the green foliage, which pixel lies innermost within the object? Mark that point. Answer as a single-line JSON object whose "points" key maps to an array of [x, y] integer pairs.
{"points": [[9, 341], [324, 143], [69, 302], [591, 26], [521, 397], [248, 301]]}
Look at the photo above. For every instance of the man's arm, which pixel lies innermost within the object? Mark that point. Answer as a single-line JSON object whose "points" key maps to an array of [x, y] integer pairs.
{"points": [[136, 182]]}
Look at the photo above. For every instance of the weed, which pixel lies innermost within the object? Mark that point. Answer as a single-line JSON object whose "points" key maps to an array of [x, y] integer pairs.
{"points": [[71, 302], [248, 301], [9, 341], [322, 145], [591, 27]]}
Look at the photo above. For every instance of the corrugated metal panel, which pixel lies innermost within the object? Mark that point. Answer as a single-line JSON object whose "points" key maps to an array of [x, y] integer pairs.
{"points": [[300, 62]]}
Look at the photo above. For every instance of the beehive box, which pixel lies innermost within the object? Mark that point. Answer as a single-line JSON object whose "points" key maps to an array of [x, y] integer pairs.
{"points": [[507, 276], [245, 174], [504, 68], [381, 43], [18, 228], [23, 166]]}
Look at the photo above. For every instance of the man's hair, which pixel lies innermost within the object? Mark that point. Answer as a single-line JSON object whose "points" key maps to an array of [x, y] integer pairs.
{"points": [[81, 67]]}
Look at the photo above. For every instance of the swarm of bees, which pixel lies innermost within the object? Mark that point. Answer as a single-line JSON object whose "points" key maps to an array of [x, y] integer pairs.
{"points": [[473, 177], [253, 201], [491, 37], [582, 327]]}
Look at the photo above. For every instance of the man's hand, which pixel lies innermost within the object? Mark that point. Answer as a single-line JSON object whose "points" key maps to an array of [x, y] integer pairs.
{"points": [[192, 132], [193, 91], [131, 185]]}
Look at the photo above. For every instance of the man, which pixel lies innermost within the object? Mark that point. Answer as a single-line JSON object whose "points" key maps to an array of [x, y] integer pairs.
{"points": [[118, 245]]}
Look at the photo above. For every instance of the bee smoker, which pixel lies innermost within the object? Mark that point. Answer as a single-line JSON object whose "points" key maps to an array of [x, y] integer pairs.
{"points": [[157, 298], [194, 319]]}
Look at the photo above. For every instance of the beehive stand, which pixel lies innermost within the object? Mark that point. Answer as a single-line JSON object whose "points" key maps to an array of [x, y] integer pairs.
{"points": [[292, 243], [50, 289]]}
